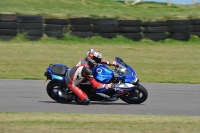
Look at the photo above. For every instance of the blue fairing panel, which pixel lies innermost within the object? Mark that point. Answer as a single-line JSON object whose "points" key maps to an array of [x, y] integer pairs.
{"points": [[130, 76], [57, 77], [60, 75], [102, 74]]}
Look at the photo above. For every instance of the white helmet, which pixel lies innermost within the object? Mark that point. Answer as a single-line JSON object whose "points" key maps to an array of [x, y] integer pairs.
{"points": [[94, 56]]}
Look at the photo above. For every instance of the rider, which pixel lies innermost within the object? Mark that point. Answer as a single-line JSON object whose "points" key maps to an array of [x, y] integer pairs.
{"points": [[83, 70]]}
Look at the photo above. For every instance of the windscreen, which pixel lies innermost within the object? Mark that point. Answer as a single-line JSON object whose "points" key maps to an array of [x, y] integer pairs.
{"points": [[122, 70]]}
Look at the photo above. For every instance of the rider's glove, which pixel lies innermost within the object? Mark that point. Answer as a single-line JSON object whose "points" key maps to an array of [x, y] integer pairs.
{"points": [[114, 63], [109, 86], [112, 85]]}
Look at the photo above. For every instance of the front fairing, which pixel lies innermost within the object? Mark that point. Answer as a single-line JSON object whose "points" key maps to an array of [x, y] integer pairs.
{"points": [[126, 73]]}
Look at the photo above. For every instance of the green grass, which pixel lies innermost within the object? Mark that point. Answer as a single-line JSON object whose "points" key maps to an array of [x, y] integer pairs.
{"points": [[166, 61], [98, 123], [99, 8]]}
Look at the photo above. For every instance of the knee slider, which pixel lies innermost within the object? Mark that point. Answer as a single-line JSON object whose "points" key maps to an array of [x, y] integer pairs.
{"points": [[86, 101]]}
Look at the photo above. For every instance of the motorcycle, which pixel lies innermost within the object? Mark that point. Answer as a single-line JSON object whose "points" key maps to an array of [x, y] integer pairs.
{"points": [[127, 86]]}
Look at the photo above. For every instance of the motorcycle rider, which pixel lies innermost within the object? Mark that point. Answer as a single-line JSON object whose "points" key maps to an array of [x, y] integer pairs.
{"points": [[83, 70]]}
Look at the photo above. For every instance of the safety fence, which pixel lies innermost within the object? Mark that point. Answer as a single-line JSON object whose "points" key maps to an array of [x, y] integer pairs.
{"points": [[34, 27]]}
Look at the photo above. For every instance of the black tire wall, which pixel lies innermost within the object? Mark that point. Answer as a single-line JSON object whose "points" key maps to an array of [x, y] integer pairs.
{"points": [[34, 27], [179, 29], [31, 26], [55, 28], [130, 29], [8, 26], [81, 27], [105, 27], [155, 31], [195, 27]]}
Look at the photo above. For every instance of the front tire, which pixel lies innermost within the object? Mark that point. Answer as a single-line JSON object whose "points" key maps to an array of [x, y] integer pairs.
{"points": [[52, 90], [137, 96]]}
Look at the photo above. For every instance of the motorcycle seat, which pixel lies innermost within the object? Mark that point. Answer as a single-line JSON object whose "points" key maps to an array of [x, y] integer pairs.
{"points": [[59, 70]]}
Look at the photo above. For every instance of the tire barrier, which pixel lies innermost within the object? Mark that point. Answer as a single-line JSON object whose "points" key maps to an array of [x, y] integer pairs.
{"points": [[81, 27], [8, 26], [179, 29], [130, 29], [133, 36], [104, 21], [31, 26], [35, 27], [154, 24], [195, 27], [80, 21], [129, 22], [156, 36], [105, 27], [155, 31], [55, 27]]}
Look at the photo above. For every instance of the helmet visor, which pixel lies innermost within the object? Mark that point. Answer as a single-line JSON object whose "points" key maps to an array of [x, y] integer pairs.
{"points": [[96, 59]]}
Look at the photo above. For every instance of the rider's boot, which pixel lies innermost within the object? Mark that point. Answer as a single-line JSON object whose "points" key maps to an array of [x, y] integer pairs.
{"points": [[84, 99]]}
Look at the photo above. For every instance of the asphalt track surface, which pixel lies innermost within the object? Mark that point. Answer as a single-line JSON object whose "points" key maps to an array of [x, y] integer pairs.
{"points": [[164, 99]]}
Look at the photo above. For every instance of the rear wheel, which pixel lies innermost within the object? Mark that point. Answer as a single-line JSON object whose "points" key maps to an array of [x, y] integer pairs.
{"points": [[137, 96], [52, 90]]}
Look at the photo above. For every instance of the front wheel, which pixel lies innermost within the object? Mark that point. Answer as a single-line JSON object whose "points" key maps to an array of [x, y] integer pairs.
{"points": [[52, 90], [136, 96]]}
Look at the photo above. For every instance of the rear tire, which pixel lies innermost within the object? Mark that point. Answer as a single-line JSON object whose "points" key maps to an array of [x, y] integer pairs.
{"points": [[137, 96], [52, 90]]}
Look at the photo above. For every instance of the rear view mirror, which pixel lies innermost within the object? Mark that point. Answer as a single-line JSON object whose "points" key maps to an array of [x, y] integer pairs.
{"points": [[118, 59]]}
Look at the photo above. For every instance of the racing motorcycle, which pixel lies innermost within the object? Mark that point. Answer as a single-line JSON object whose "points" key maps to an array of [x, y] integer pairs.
{"points": [[127, 86]]}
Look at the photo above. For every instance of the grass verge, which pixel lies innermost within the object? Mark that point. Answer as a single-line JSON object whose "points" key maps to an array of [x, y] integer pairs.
{"points": [[100, 8], [166, 61], [98, 123]]}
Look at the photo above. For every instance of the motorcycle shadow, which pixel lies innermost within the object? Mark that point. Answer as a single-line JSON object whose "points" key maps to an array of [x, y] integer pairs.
{"points": [[92, 103], [106, 103], [112, 103]]}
